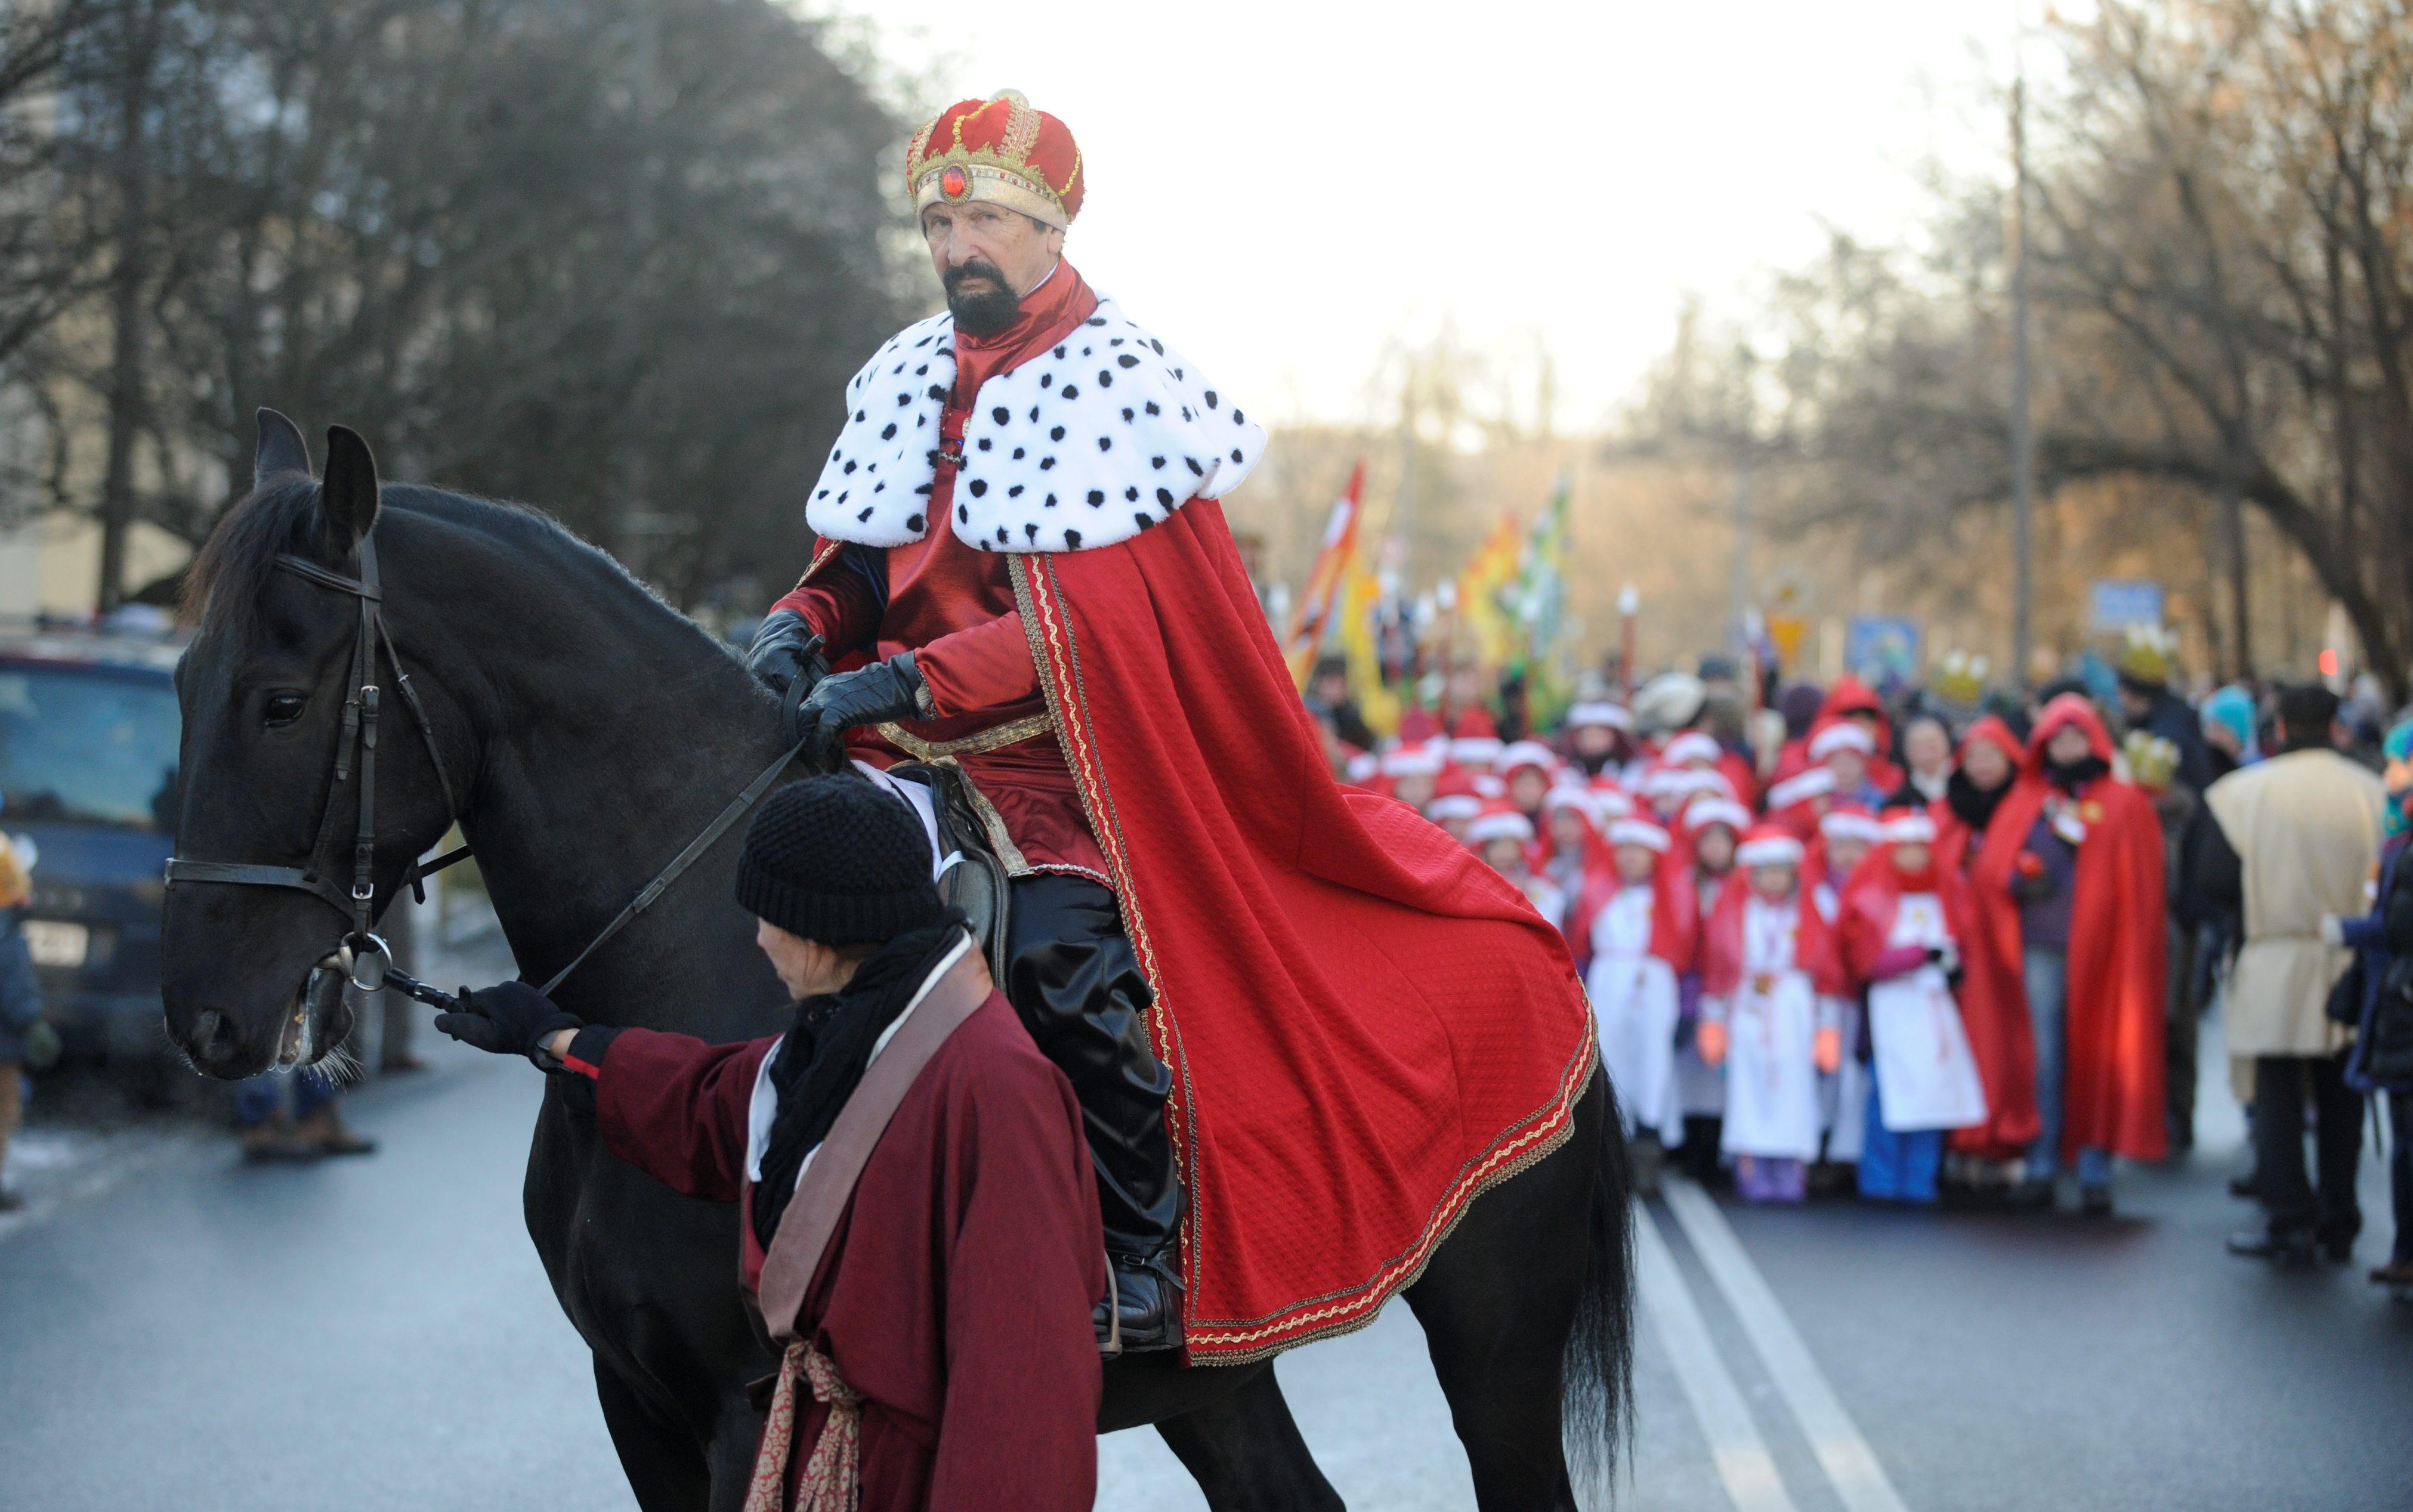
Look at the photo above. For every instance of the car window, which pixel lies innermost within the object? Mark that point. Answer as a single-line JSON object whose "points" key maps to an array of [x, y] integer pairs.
{"points": [[87, 746]]}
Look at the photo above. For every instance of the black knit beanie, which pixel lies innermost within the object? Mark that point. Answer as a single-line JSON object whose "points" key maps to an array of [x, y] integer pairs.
{"points": [[839, 861]]}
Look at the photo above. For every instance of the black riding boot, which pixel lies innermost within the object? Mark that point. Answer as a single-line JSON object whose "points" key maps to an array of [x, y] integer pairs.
{"points": [[1074, 978]]}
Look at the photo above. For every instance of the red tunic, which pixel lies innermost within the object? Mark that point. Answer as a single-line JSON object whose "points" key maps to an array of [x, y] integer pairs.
{"points": [[953, 607], [955, 1292]]}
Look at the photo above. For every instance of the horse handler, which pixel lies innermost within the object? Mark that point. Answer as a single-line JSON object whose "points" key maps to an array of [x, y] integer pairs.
{"points": [[918, 1231]]}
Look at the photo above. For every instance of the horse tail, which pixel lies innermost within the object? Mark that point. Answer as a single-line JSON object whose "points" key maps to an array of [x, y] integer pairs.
{"points": [[1596, 1402]]}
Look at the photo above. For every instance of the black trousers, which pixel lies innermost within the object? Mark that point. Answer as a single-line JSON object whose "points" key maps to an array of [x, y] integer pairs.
{"points": [[1073, 976], [2283, 1085]]}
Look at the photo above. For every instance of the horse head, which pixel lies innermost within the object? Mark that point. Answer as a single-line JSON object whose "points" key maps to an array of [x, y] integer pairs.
{"points": [[250, 974]]}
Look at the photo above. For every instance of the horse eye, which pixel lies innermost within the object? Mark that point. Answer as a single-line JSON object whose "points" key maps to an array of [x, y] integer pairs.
{"points": [[283, 708]]}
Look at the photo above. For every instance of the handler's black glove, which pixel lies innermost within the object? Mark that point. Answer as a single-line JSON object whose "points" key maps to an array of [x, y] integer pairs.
{"points": [[890, 689], [786, 656], [512, 1019]]}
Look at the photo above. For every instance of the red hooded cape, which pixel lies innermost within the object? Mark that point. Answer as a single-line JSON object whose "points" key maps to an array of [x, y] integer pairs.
{"points": [[2111, 1096], [1994, 999], [1673, 921], [1848, 696], [1367, 1026]]}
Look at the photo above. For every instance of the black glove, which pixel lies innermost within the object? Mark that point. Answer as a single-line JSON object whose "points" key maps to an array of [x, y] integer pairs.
{"points": [[890, 689], [512, 1019], [786, 655]]}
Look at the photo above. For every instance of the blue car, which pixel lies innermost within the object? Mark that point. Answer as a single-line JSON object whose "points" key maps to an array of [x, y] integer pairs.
{"points": [[88, 736]]}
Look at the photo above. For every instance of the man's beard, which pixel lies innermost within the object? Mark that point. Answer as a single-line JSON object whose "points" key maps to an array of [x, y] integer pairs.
{"points": [[985, 312]]}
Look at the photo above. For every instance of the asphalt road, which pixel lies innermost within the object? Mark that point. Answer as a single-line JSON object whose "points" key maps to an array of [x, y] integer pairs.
{"points": [[194, 1333]]}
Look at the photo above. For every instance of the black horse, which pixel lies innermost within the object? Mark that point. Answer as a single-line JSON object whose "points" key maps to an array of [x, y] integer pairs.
{"points": [[589, 731]]}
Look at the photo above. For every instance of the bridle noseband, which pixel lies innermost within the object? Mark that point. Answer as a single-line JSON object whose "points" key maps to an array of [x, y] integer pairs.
{"points": [[366, 955]]}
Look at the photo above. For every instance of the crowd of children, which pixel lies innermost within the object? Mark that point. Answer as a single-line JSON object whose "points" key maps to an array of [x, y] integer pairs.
{"points": [[1778, 943]]}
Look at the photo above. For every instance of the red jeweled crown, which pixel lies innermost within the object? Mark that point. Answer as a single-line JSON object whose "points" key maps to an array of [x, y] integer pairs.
{"points": [[1000, 150]]}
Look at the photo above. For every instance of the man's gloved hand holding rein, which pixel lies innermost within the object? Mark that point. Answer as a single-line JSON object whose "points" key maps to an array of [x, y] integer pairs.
{"points": [[890, 689], [509, 1019], [786, 656]]}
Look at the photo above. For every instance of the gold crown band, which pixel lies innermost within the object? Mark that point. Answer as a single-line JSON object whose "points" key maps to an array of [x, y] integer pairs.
{"points": [[992, 182]]}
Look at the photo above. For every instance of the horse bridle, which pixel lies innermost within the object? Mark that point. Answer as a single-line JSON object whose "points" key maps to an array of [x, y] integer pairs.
{"points": [[365, 956]]}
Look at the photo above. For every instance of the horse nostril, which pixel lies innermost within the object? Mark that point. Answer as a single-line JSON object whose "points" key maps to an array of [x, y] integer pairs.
{"points": [[214, 1035]]}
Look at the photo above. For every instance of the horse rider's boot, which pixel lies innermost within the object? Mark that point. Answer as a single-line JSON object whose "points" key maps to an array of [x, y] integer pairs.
{"points": [[1074, 978]]}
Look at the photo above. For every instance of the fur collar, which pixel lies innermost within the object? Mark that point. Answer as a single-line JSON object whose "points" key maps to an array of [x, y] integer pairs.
{"points": [[1085, 445]]}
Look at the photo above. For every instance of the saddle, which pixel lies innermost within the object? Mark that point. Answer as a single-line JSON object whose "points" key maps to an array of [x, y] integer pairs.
{"points": [[978, 882]]}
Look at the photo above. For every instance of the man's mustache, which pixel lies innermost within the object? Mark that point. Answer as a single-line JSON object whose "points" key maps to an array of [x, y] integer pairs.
{"points": [[974, 268]]}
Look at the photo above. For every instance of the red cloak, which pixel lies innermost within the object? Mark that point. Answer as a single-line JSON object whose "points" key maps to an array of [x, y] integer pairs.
{"points": [[1848, 696], [1994, 997], [2111, 1095], [1367, 1026]]}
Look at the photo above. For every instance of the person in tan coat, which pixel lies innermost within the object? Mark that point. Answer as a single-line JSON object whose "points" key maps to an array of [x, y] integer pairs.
{"points": [[2297, 838]]}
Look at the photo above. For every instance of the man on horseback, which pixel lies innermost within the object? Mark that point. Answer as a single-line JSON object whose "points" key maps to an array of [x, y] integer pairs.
{"points": [[1304, 1032]]}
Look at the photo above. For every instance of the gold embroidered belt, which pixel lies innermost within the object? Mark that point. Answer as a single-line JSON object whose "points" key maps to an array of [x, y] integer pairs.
{"points": [[997, 737]]}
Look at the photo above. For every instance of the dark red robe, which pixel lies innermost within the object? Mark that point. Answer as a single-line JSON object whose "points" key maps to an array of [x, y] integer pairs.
{"points": [[2119, 942], [956, 1293]]}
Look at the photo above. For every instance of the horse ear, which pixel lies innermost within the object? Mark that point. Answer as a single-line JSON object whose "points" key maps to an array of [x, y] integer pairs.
{"points": [[349, 494], [281, 449]]}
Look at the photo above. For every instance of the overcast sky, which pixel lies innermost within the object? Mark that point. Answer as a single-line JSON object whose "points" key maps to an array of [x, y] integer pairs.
{"points": [[1282, 187]]}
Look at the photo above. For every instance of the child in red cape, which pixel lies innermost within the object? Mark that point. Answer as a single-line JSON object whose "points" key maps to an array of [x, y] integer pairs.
{"points": [[2070, 877], [1702, 859], [1903, 916], [1769, 980], [1636, 937]]}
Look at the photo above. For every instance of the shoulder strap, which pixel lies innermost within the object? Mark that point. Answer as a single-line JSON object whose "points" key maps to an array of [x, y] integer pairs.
{"points": [[829, 1182]]}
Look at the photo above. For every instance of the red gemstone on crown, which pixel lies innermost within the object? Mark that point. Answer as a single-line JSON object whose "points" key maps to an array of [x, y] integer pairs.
{"points": [[955, 183]]}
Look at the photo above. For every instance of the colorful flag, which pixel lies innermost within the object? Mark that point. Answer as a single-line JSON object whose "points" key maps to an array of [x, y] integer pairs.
{"points": [[1312, 618]]}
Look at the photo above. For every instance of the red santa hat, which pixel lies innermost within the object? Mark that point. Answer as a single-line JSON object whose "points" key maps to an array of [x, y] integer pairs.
{"points": [[1498, 822], [1768, 846], [1640, 831], [1834, 735], [1815, 783], [1600, 715], [1454, 805], [1609, 800], [1363, 767], [1908, 827], [1524, 753], [1704, 812], [1475, 752], [1488, 785], [1410, 761], [1849, 823], [1691, 745], [1570, 796], [1000, 150]]}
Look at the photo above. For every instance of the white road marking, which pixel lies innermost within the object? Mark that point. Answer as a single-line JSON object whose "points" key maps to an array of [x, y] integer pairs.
{"points": [[1851, 1465], [1740, 1454]]}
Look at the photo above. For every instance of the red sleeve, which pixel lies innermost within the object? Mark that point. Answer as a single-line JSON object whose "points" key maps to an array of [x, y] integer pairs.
{"points": [[984, 666], [1019, 1428], [841, 606], [676, 1108]]}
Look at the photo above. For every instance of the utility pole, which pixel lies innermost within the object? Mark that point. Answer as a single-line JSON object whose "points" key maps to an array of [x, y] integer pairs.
{"points": [[2023, 432], [2023, 437]]}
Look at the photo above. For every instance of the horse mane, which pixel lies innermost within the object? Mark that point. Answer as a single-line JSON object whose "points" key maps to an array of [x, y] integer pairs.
{"points": [[233, 570]]}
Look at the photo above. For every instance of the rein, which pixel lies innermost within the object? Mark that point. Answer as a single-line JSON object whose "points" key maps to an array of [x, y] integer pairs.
{"points": [[365, 956]]}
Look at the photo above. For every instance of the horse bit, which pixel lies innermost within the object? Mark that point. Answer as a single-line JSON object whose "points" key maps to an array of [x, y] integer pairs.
{"points": [[363, 955]]}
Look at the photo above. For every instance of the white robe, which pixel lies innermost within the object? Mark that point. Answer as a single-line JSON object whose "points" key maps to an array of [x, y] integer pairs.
{"points": [[1633, 999], [1771, 1042], [1843, 1097], [1926, 1076]]}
